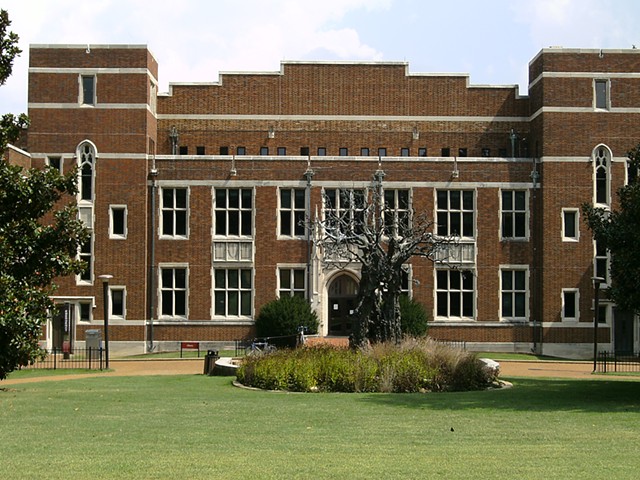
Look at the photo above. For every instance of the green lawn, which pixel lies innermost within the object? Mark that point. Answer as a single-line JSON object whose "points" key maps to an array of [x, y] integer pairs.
{"points": [[202, 427]]}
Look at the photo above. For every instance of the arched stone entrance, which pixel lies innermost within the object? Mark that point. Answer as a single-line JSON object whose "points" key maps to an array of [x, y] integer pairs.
{"points": [[343, 291]]}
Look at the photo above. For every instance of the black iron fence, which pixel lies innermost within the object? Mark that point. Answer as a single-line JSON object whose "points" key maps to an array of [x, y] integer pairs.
{"points": [[618, 362], [78, 358]]}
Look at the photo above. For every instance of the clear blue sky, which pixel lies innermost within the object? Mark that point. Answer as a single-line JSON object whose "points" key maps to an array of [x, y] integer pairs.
{"points": [[193, 40]]}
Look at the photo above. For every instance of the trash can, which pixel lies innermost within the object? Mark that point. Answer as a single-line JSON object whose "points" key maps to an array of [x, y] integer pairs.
{"points": [[92, 338], [210, 362]]}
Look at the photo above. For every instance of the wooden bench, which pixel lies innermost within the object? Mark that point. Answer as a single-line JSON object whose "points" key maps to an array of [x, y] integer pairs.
{"points": [[189, 346]]}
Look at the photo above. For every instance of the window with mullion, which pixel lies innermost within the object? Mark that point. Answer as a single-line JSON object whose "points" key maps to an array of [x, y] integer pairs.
{"points": [[513, 294], [292, 212], [344, 209], [173, 292], [396, 212], [455, 212], [454, 294], [174, 210], [292, 282], [514, 214], [232, 292], [233, 212]]}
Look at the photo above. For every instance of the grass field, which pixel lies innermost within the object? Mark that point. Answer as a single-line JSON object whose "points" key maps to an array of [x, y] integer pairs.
{"points": [[202, 427]]}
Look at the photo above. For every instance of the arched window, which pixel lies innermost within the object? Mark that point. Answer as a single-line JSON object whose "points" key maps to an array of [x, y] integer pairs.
{"points": [[602, 169], [86, 163]]}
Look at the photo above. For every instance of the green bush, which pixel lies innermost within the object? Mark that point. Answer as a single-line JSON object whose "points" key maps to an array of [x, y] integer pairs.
{"points": [[416, 365], [284, 315], [413, 317]]}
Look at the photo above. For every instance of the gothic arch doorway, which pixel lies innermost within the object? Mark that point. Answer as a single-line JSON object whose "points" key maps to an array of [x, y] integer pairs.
{"points": [[343, 292]]}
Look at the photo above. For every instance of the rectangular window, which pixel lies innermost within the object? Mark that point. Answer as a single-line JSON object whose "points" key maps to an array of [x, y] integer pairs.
{"points": [[404, 152], [602, 262], [292, 282], [322, 151], [241, 150], [84, 311], [292, 212], [422, 151], [232, 292], [264, 150], [570, 307], [462, 152], [344, 209], [513, 294], [55, 163], [455, 212], [304, 151], [455, 294], [282, 151], [173, 292], [343, 152], [224, 150], [364, 152], [514, 214], [396, 212], [118, 302], [446, 152], [200, 150], [183, 150], [175, 212], [570, 225], [486, 152], [86, 255], [382, 152], [118, 221], [233, 212], [601, 93], [88, 89]]}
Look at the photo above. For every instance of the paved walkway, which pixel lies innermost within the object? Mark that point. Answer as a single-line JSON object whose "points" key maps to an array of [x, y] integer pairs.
{"points": [[195, 366]]}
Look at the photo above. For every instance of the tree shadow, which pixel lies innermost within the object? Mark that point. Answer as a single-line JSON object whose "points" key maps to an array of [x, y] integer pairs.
{"points": [[537, 395]]}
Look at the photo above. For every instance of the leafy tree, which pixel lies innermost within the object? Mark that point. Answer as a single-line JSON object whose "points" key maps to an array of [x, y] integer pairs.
{"points": [[36, 245], [619, 232], [372, 233]]}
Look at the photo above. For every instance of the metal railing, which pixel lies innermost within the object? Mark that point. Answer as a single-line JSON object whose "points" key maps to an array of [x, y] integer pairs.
{"points": [[616, 362], [77, 358]]}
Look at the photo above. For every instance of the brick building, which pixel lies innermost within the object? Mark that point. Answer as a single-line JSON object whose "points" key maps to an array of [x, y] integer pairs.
{"points": [[194, 197]]}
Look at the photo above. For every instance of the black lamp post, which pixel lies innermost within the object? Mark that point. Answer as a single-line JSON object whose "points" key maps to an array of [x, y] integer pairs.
{"points": [[105, 298], [596, 317]]}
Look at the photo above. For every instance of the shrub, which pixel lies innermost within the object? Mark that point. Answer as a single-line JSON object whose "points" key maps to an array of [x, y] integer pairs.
{"points": [[413, 317], [416, 365], [284, 315]]}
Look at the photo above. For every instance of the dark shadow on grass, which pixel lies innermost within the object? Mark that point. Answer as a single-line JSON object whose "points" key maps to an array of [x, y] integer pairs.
{"points": [[538, 395]]}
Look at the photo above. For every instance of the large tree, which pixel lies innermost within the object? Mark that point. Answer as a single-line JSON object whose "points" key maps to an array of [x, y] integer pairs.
{"points": [[37, 244], [619, 232], [377, 230]]}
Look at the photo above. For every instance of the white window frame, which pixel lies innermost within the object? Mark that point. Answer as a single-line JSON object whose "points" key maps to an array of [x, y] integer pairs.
{"points": [[396, 211], [81, 96], [294, 211], [513, 291], [607, 93], [602, 258], [576, 291], [161, 289], [118, 288], [291, 290], [449, 291], [339, 210], [576, 224], [112, 234], [175, 210], [602, 157], [226, 290], [60, 159], [461, 211], [514, 212], [241, 209]]}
